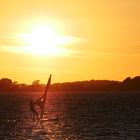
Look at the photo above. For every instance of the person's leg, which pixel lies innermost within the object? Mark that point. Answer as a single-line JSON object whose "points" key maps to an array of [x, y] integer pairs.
{"points": [[36, 115], [41, 114], [33, 116], [42, 111]]}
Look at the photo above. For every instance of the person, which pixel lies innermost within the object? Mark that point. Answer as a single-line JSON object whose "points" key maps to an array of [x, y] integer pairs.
{"points": [[41, 102], [33, 109]]}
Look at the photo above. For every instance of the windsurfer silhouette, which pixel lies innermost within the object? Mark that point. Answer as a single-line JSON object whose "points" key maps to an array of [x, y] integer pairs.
{"points": [[33, 109], [41, 101]]}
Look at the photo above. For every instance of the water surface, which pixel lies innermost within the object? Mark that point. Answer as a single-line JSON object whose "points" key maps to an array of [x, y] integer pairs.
{"points": [[72, 116]]}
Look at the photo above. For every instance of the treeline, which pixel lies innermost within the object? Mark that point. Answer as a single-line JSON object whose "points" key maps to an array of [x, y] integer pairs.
{"points": [[7, 85]]}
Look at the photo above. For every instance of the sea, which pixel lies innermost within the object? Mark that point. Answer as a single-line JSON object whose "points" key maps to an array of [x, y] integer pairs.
{"points": [[71, 116]]}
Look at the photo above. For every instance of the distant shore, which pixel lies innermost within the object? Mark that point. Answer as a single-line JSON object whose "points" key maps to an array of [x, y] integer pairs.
{"points": [[128, 84]]}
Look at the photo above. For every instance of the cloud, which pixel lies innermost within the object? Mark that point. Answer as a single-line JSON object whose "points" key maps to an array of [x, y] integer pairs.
{"points": [[13, 43]]}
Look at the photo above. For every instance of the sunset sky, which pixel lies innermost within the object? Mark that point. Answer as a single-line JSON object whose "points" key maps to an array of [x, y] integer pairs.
{"points": [[70, 39]]}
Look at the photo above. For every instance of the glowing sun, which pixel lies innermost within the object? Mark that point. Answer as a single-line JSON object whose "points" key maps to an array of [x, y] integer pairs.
{"points": [[44, 40]]}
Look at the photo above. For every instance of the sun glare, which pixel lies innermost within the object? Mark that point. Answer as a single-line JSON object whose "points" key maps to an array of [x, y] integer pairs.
{"points": [[44, 40]]}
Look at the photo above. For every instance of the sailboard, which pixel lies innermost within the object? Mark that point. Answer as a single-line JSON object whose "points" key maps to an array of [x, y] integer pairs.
{"points": [[50, 119], [42, 100]]}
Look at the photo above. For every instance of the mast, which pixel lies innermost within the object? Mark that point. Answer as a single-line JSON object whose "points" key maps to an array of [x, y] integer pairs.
{"points": [[45, 95]]}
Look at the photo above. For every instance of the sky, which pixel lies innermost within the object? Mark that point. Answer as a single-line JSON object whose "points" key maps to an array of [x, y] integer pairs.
{"points": [[96, 39]]}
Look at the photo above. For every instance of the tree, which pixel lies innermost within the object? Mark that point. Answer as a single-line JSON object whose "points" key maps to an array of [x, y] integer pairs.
{"points": [[36, 82], [5, 84], [127, 80]]}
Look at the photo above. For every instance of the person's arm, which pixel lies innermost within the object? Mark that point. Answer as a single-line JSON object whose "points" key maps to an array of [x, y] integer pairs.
{"points": [[39, 99]]}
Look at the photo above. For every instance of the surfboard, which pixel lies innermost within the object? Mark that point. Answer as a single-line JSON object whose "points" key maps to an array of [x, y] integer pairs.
{"points": [[49, 119]]}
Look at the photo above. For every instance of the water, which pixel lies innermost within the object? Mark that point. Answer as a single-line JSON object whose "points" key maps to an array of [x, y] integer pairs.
{"points": [[72, 116]]}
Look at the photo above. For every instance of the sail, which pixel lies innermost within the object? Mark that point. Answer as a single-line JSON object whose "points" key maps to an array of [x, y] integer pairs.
{"points": [[42, 100]]}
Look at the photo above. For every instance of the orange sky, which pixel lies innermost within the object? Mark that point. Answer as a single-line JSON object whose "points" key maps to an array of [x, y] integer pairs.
{"points": [[106, 39]]}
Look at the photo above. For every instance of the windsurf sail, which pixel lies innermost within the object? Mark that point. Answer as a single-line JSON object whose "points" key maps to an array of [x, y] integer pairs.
{"points": [[42, 100]]}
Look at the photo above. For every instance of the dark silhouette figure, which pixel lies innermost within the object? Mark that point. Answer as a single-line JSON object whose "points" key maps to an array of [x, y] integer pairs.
{"points": [[33, 109], [41, 101]]}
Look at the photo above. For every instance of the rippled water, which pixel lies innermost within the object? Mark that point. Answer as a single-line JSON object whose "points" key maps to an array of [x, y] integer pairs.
{"points": [[72, 116]]}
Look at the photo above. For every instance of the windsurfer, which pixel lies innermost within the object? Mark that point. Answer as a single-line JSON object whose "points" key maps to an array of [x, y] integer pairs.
{"points": [[33, 109], [41, 101]]}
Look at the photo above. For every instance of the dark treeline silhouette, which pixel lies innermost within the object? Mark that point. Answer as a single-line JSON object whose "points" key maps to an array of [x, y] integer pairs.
{"points": [[7, 85], [128, 84]]}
